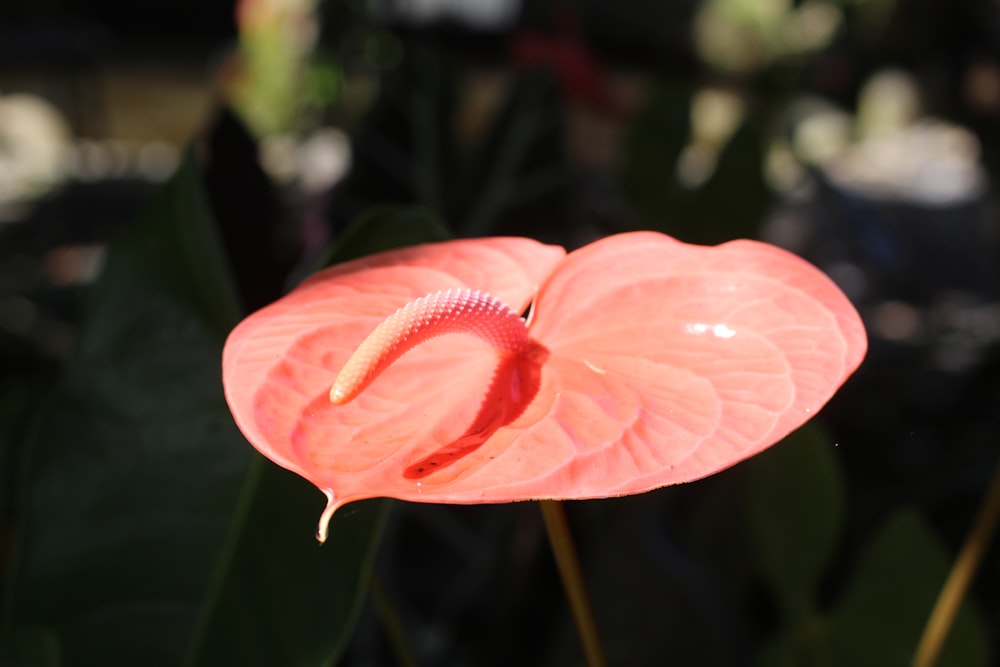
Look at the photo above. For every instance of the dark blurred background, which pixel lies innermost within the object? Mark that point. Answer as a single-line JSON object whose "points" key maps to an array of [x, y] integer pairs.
{"points": [[861, 134]]}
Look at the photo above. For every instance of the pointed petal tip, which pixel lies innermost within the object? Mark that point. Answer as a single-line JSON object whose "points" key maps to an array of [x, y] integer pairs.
{"points": [[332, 505]]}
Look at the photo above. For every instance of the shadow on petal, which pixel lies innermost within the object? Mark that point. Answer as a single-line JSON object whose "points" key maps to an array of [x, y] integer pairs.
{"points": [[513, 387]]}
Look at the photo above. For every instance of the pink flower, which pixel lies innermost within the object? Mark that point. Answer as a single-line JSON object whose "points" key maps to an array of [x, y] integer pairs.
{"points": [[645, 362]]}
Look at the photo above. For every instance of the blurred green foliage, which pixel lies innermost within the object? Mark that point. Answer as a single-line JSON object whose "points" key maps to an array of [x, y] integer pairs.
{"points": [[147, 531]]}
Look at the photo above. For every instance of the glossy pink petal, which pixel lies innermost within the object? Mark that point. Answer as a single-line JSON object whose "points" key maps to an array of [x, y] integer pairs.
{"points": [[655, 362], [702, 356], [279, 364]]}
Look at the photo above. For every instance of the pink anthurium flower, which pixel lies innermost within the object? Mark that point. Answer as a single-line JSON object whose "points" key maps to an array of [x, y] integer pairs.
{"points": [[644, 362]]}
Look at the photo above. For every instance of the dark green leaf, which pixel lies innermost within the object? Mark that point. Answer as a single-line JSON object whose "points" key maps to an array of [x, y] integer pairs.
{"points": [[795, 510], [521, 161], [284, 599], [653, 146], [404, 148], [410, 151], [804, 645], [733, 202], [280, 598], [29, 646], [384, 228], [881, 617], [729, 204], [135, 465]]}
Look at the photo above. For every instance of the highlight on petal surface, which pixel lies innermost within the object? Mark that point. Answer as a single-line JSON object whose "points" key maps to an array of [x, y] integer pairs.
{"points": [[650, 362]]}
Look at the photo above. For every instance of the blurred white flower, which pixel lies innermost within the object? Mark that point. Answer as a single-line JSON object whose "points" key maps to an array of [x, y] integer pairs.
{"points": [[34, 142]]}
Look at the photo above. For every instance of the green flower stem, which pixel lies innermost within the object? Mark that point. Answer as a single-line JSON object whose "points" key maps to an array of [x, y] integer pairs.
{"points": [[962, 572], [391, 624], [557, 528]]}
